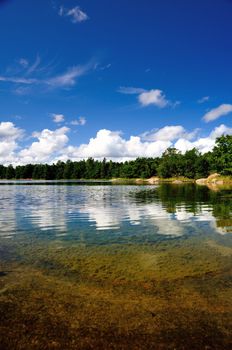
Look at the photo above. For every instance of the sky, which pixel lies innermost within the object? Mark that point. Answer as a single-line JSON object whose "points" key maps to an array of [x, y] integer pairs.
{"points": [[115, 79]]}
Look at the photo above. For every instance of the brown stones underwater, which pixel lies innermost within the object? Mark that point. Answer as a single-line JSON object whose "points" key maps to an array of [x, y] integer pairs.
{"points": [[174, 294]]}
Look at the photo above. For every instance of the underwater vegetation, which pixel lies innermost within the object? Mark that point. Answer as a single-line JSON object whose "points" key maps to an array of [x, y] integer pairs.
{"points": [[174, 294]]}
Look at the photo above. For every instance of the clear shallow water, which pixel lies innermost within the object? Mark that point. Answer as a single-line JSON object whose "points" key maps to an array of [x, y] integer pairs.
{"points": [[102, 212], [100, 266]]}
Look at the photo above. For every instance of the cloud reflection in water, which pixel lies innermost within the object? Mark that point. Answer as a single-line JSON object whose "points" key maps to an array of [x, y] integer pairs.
{"points": [[65, 209]]}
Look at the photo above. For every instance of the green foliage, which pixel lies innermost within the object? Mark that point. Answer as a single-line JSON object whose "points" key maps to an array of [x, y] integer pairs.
{"points": [[171, 164], [222, 153], [191, 165], [10, 172]]}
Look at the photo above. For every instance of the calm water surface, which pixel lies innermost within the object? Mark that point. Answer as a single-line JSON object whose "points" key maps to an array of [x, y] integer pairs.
{"points": [[100, 266], [94, 212]]}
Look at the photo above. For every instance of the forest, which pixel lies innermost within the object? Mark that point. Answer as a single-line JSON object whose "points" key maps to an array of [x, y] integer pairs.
{"points": [[192, 164]]}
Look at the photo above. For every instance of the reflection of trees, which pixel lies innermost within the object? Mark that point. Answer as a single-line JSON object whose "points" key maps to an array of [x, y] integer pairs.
{"points": [[192, 198], [222, 211], [225, 224], [172, 196], [189, 196], [222, 208]]}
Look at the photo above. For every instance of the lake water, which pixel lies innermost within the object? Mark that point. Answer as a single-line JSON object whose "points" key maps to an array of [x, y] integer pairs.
{"points": [[93, 212], [95, 265]]}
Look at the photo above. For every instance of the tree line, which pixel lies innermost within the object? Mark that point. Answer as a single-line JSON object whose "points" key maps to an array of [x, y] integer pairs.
{"points": [[192, 164]]}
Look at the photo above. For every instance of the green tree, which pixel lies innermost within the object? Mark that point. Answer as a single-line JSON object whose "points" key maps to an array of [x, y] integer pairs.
{"points": [[222, 153], [10, 172], [171, 164], [190, 159]]}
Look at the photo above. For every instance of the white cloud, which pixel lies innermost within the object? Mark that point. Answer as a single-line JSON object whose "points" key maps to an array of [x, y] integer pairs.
{"points": [[218, 112], [203, 144], [24, 72], [146, 98], [203, 99], [18, 80], [76, 14], [49, 144], [58, 118], [7, 148], [169, 133], [9, 135], [112, 145], [79, 121], [221, 130], [53, 145], [68, 78], [64, 80], [8, 131], [153, 97]]}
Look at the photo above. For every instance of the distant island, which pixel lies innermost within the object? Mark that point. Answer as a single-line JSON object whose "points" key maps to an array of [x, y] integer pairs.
{"points": [[171, 165]]}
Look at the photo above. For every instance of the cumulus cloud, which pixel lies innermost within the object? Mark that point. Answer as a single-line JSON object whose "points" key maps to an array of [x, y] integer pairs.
{"points": [[58, 118], [169, 133], [9, 135], [218, 112], [112, 145], [49, 144], [8, 131], [53, 145], [221, 130], [203, 144], [75, 13], [146, 98], [153, 97]]}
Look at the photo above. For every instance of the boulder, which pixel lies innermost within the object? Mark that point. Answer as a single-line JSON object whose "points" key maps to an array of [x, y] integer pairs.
{"points": [[153, 180]]}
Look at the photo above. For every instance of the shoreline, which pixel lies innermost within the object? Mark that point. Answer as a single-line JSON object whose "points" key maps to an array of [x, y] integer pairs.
{"points": [[212, 180]]}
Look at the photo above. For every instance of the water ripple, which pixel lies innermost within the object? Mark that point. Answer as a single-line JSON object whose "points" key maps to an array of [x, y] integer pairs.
{"points": [[131, 210]]}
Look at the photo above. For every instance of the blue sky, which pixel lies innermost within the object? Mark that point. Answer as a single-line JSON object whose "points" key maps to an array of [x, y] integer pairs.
{"points": [[135, 76]]}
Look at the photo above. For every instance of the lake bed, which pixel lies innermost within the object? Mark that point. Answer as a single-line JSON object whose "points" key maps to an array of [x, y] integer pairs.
{"points": [[98, 266]]}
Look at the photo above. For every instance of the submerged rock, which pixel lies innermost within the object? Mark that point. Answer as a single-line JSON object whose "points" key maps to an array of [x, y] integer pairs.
{"points": [[177, 182]]}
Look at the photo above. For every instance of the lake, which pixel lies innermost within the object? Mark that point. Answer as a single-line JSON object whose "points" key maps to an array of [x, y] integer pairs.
{"points": [[91, 265]]}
